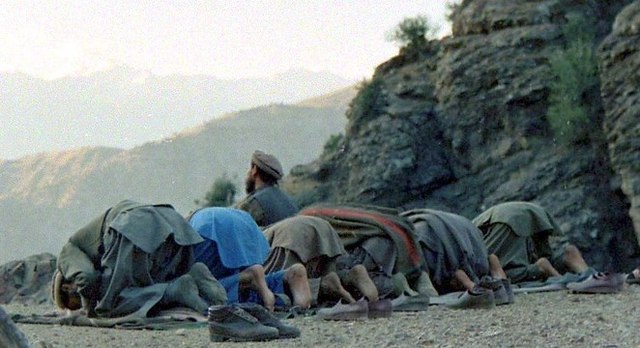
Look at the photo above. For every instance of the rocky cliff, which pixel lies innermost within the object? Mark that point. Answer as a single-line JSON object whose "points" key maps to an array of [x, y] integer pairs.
{"points": [[620, 76], [459, 124]]}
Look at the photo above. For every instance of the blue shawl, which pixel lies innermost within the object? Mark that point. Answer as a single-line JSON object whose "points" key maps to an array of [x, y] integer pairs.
{"points": [[239, 240]]}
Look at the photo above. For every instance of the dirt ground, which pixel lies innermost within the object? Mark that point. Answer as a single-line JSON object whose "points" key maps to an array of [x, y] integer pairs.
{"points": [[554, 319]]}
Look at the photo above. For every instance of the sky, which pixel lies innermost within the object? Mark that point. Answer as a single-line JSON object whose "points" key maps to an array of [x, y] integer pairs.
{"points": [[226, 39]]}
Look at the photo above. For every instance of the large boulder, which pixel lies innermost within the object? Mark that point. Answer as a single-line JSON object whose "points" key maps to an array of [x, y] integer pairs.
{"points": [[27, 281]]}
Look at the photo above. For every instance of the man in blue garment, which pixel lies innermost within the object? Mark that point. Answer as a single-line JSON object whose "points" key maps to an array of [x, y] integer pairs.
{"points": [[234, 250]]}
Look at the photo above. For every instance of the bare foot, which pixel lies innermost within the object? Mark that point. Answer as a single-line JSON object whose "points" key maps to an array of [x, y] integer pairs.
{"points": [[296, 278], [330, 285], [359, 278], [463, 279], [545, 266], [496, 267], [573, 259], [254, 275]]}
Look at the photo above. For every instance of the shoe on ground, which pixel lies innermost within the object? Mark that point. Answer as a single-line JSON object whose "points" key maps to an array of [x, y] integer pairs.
{"points": [[405, 303], [358, 310], [232, 323], [380, 309], [499, 288], [500, 296], [506, 282], [502, 291], [479, 298], [599, 283], [633, 277], [267, 319], [491, 283]]}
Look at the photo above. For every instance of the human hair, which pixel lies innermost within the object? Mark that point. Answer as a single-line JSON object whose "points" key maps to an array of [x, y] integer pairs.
{"points": [[266, 178]]}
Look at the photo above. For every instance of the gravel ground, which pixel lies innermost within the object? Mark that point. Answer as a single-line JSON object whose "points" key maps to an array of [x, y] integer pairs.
{"points": [[555, 319]]}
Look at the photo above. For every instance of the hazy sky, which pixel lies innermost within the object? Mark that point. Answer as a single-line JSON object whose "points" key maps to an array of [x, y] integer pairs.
{"points": [[227, 39]]}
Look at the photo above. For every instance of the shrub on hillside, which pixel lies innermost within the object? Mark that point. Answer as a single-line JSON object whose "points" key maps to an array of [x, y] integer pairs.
{"points": [[412, 31], [333, 144], [454, 8], [571, 114], [369, 101], [221, 194]]}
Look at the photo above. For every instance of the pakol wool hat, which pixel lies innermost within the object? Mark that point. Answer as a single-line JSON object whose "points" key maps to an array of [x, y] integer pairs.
{"points": [[268, 163]]}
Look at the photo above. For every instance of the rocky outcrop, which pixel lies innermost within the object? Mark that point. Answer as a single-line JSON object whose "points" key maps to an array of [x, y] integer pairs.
{"points": [[459, 125], [620, 76], [27, 281]]}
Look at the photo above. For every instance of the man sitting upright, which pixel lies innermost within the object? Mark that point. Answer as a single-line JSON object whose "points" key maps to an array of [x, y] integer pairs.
{"points": [[266, 203]]}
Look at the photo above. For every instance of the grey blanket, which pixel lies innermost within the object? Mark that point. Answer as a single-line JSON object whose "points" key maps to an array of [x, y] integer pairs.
{"points": [[174, 318], [449, 243]]}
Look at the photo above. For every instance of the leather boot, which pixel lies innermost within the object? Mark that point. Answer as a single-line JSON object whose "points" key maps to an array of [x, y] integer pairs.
{"points": [[232, 323], [266, 318]]}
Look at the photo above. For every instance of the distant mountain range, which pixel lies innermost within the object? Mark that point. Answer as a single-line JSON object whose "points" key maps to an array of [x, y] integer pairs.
{"points": [[44, 198], [124, 107]]}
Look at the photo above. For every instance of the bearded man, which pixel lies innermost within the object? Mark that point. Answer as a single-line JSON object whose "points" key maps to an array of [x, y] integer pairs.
{"points": [[265, 201]]}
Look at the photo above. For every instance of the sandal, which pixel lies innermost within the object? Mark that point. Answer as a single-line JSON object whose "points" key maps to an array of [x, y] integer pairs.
{"points": [[599, 283], [634, 276]]}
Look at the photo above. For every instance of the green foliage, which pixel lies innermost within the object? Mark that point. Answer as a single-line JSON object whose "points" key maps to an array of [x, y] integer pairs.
{"points": [[333, 144], [369, 101], [571, 115], [221, 194], [412, 31], [453, 8]]}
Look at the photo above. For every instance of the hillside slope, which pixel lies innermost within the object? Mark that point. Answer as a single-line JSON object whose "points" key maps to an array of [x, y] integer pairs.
{"points": [[46, 197]]}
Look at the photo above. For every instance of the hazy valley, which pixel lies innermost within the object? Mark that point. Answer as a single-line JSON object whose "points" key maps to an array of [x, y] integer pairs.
{"points": [[46, 197]]}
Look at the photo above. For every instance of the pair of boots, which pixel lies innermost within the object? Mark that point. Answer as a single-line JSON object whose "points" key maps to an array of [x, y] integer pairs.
{"points": [[246, 322]]}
